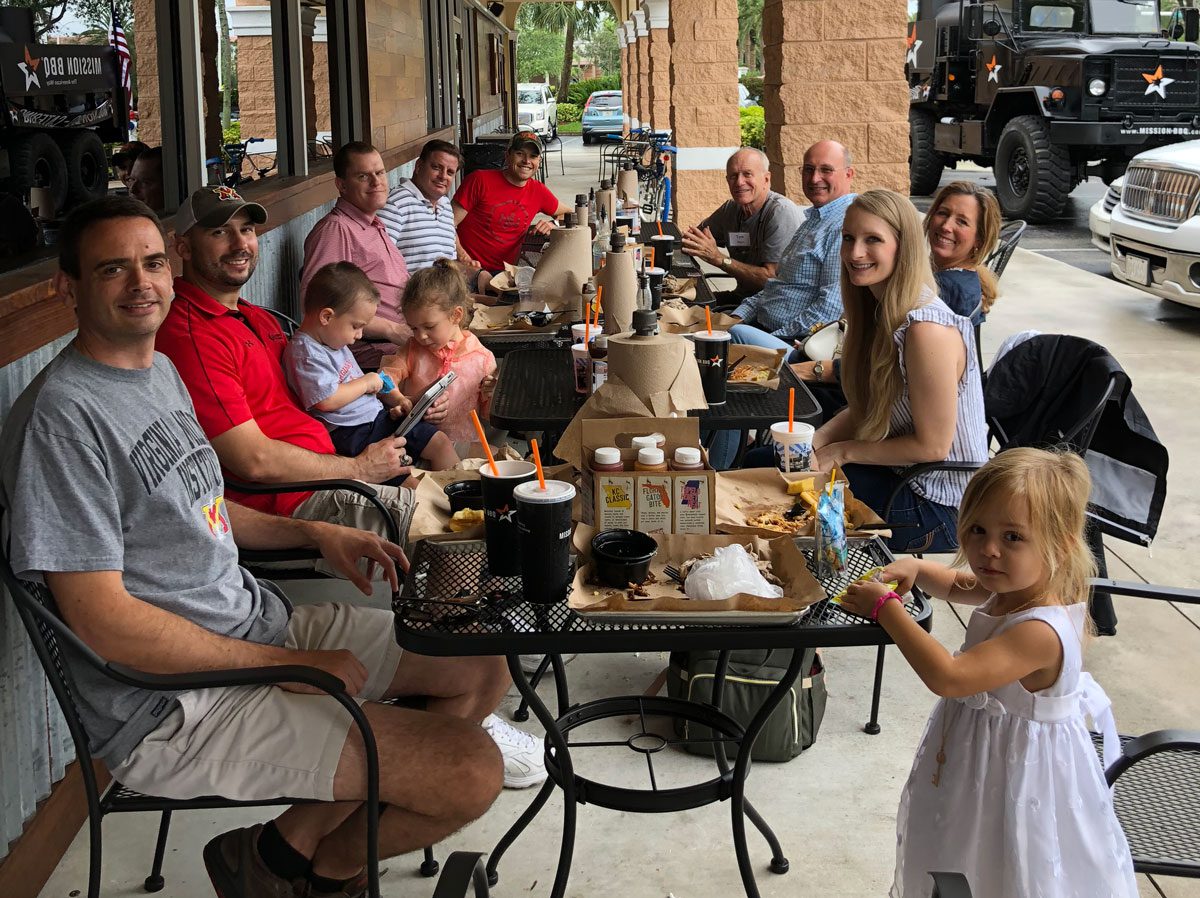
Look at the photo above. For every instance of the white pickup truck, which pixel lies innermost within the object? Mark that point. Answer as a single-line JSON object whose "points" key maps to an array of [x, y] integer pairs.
{"points": [[1154, 231], [537, 110]]}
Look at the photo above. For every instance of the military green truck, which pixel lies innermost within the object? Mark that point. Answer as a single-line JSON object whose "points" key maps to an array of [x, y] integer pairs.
{"points": [[61, 104], [1047, 92]]}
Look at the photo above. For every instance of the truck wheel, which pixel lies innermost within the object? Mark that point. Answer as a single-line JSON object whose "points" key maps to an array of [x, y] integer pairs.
{"points": [[1033, 177], [924, 162], [36, 161], [87, 168]]}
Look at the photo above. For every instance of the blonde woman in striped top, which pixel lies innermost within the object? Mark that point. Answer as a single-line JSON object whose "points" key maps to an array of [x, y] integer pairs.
{"points": [[910, 374]]}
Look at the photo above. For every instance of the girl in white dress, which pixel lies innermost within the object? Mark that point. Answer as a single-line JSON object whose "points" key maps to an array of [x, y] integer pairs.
{"points": [[1006, 787]]}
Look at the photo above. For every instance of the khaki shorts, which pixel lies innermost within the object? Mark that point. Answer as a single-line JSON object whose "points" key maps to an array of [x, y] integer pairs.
{"points": [[259, 742], [352, 510]]}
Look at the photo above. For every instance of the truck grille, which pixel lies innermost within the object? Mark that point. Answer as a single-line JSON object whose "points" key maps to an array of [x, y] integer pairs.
{"points": [[1163, 195], [1112, 197], [1129, 87], [524, 118]]}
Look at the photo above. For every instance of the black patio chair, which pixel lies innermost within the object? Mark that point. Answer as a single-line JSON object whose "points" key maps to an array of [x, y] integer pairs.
{"points": [[53, 640], [553, 145], [1010, 236], [950, 885], [287, 323]]}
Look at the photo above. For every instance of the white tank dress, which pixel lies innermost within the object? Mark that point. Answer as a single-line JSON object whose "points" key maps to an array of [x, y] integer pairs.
{"points": [[1022, 809]]}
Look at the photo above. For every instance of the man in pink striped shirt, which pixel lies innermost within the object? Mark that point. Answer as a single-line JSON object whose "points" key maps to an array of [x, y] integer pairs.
{"points": [[352, 232]]}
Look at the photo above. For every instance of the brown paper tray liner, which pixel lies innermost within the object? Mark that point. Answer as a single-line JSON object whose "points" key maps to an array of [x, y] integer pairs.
{"points": [[755, 490]]}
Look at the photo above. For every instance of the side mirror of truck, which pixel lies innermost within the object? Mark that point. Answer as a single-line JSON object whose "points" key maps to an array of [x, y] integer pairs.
{"points": [[1191, 24]]}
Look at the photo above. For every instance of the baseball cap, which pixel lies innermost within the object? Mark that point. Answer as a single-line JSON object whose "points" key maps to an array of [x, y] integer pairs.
{"points": [[525, 140], [211, 207]]}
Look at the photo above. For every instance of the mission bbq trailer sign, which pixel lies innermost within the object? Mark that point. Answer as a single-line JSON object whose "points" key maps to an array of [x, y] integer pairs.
{"points": [[33, 69]]}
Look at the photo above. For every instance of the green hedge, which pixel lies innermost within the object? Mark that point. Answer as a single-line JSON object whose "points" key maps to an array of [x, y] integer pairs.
{"points": [[578, 92], [569, 112], [754, 130]]}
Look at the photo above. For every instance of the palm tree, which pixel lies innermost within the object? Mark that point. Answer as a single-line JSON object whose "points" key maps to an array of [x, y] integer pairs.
{"points": [[570, 18], [750, 33]]}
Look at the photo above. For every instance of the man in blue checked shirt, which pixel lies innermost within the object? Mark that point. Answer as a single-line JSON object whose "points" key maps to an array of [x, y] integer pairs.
{"points": [[805, 289]]}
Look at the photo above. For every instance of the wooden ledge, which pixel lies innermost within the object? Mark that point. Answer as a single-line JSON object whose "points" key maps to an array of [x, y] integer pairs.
{"points": [[31, 315]]}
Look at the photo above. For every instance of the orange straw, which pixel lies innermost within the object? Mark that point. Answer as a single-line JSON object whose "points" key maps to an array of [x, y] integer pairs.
{"points": [[487, 450], [599, 293], [650, 250], [791, 401], [537, 463], [708, 320], [659, 223], [587, 325]]}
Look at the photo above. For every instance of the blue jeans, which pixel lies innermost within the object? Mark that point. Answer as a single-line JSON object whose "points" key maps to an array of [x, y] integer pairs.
{"points": [[918, 525]]}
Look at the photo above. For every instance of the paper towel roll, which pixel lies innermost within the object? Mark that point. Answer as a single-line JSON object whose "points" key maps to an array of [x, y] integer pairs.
{"points": [[618, 277], [564, 268], [650, 365], [607, 200], [627, 185]]}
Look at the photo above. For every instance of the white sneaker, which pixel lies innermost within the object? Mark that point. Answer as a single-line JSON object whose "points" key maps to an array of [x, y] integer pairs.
{"points": [[523, 753], [529, 663]]}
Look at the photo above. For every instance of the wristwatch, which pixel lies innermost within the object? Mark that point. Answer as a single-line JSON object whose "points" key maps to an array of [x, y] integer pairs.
{"points": [[726, 261], [819, 370]]}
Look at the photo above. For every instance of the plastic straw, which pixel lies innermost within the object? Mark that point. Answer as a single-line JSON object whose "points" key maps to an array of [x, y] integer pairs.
{"points": [[487, 450], [832, 478], [537, 463], [587, 325], [599, 293], [708, 322], [791, 401], [659, 223], [650, 250]]}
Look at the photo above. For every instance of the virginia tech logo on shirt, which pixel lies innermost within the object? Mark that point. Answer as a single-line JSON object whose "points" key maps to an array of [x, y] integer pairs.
{"points": [[216, 517]]}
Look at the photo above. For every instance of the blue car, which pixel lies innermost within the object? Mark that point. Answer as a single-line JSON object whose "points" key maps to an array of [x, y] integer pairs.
{"points": [[601, 115]]}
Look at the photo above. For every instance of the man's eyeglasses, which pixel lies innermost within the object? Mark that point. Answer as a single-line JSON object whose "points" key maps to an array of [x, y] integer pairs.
{"points": [[824, 171]]}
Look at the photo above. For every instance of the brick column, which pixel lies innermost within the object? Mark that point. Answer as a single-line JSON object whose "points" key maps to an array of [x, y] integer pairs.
{"points": [[658, 20], [625, 80], [145, 40], [836, 71], [250, 21], [632, 84], [704, 102], [643, 54]]}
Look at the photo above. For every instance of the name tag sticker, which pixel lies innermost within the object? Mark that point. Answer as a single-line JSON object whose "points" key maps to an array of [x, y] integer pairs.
{"points": [[739, 238]]}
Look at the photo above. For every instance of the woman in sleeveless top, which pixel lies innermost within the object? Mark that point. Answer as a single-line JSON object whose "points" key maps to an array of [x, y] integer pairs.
{"points": [[910, 375]]}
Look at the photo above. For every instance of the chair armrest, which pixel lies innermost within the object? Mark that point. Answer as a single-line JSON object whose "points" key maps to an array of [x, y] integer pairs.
{"points": [[1147, 590], [365, 490], [1149, 744], [913, 471], [461, 870], [240, 676]]}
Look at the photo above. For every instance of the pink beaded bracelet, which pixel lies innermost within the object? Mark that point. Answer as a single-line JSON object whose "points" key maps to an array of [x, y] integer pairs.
{"points": [[883, 600]]}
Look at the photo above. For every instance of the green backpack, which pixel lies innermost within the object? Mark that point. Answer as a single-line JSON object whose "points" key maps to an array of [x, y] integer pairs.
{"points": [[749, 679]]}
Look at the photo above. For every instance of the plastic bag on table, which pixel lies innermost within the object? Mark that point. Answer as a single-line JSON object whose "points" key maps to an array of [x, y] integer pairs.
{"points": [[831, 531], [730, 570]]}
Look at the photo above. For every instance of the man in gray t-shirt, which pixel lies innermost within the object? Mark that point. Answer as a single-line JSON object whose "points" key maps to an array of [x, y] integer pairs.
{"points": [[113, 498], [746, 235]]}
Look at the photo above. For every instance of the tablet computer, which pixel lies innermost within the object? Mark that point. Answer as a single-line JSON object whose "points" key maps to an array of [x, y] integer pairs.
{"points": [[421, 406]]}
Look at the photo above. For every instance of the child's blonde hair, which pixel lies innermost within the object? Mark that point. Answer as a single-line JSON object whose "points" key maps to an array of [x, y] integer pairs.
{"points": [[1055, 486], [441, 284]]}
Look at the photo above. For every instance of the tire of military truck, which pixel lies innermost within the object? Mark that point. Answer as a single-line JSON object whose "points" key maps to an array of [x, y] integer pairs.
{"points": [[1033, 177], [34, 160], [924, 162], [87, 167]]}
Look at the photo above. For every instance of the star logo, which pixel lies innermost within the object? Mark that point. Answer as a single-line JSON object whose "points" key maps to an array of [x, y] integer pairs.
{"points": [[913, 46], [227, 193], [506, 514], [1156, 83], [994, 68], [29, 67]]}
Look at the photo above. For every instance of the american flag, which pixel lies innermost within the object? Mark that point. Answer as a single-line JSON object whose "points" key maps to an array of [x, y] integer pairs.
{"points": [[116, 39]]}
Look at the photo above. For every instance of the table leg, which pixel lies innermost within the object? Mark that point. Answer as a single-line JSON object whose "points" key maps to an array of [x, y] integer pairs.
{"points": [[562, 754], [872, 725]]}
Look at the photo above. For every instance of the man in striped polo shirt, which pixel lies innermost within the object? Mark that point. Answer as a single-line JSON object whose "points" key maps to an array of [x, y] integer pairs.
{"points": [[418, 215]]}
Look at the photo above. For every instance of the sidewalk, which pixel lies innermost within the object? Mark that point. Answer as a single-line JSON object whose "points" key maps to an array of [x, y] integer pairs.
{"points": [[833, 807]]}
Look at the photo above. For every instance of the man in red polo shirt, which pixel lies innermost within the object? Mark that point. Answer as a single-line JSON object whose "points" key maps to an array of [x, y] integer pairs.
{"points": [[493, 209], [228, 353]]}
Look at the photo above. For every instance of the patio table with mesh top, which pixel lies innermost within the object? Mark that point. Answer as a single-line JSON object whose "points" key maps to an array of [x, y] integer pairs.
{"points": [[451, 606]]}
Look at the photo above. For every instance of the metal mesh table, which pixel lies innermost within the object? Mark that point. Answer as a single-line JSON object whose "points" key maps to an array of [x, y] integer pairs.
{"points": [[452, 605], [536, 391]]}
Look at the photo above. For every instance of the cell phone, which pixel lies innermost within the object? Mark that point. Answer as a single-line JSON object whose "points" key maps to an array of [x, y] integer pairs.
{"points": [[421, 406]]}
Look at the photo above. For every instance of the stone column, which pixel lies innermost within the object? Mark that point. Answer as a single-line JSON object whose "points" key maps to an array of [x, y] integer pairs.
{"points": [[643, 53], [836, 71], [704, 102], [632, 85], [250, 21], [145, 82], [625, 80], [657, 21]]}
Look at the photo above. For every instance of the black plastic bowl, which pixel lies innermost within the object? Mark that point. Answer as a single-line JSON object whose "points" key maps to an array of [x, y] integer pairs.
{"points": [[464, 494], [622, 557]]}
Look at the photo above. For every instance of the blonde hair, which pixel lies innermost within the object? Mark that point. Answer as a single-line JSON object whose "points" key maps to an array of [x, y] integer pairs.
{"points": [[987, 232], [870, 362], [1055, 486], [442, 284]]}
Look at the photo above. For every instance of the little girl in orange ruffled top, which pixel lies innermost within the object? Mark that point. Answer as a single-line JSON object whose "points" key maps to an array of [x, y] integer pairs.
{"points": [[435, 306]]}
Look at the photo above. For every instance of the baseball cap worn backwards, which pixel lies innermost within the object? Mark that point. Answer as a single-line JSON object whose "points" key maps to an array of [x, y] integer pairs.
{"points": [[523, 140], [211, 207]]}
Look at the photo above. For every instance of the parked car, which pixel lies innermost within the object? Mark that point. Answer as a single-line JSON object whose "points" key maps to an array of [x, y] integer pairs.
{"points": [[537, 109], [1155, 228], [1100, 216], [602, 115]]}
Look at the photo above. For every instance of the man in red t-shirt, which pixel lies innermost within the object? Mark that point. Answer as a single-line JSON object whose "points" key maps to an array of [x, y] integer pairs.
{"points": [[494, 209]]}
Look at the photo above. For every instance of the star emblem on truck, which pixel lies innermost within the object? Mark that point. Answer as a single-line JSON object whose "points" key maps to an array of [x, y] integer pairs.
{"points": [[29, 67], [994, 68], [1156, 83], [913, 46]]}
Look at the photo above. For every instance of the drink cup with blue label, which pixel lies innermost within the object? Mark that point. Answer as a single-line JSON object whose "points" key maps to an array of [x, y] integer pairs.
{"points": [[793, 449], [544, 521]]}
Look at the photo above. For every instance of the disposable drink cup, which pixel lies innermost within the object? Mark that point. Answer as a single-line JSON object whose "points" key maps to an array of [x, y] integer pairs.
{"points": [[793, 450], [579, 331], [664, 250], [581, 361], [500, 514], [656, 275], [544, 520], [712, 355]]}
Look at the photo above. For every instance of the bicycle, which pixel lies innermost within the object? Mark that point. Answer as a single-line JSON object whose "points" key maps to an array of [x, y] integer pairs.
{"points": [[227, 168]]}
